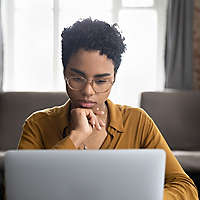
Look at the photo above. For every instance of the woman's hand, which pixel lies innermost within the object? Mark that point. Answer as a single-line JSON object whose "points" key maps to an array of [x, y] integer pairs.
{"points": [[83, 121]]}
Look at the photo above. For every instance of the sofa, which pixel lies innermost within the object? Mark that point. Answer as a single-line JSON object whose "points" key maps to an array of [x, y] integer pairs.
{"points": [[15, 107], [177, 115]]}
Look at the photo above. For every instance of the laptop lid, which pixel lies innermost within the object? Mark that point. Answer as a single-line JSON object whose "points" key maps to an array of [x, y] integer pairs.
{"points": [[85, 175]]}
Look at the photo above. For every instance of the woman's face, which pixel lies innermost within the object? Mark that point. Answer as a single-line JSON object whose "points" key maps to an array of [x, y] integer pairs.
{"points": [[91, 66]]}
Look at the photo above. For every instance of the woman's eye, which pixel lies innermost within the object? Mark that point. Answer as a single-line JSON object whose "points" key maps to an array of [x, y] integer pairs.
{"points": [[77, 79], [100, 81]]}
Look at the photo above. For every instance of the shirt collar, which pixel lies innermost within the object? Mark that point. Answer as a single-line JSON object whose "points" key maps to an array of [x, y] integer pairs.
{"points": [[116, 118]]}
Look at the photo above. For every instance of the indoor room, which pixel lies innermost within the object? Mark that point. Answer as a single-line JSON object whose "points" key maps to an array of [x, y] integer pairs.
{"points": [[98, 76]]}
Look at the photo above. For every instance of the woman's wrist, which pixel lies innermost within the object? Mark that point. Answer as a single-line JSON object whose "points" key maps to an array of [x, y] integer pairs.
{"points": [[75, 137]]}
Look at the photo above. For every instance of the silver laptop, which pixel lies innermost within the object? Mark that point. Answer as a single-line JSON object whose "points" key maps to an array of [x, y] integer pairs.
{"points": [[85, 175]]}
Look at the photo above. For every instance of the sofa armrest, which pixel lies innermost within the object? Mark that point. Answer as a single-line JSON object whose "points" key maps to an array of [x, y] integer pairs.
{"points": [[1, 173], [2, 154], [189, 160]]}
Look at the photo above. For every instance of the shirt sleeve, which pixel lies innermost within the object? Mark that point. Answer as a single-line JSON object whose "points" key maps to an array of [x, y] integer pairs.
{"points": [[31, 138], [65, 143], [178, 185]]}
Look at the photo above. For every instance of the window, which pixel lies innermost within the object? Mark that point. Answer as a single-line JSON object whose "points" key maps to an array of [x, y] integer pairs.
{"points": [[142, 69], [32, 55]]}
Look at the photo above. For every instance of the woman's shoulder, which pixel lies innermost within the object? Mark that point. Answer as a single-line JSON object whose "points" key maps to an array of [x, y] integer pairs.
{"points": [[134, 112], [47, 113], [128, 111], [126, 108]]}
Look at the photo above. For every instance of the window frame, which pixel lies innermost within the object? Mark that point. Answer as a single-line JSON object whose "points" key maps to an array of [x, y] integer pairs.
{"points": [[8, 32]]}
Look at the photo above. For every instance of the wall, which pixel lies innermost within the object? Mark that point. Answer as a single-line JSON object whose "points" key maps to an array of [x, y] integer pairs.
{"points": [[196, 45]]}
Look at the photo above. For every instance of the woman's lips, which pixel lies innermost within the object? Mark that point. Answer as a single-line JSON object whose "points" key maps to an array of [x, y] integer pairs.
{"points": [[87, 104]]}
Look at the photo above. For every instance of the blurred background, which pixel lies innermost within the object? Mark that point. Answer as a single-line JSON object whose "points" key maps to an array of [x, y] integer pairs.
{"points": [[162, 38]]}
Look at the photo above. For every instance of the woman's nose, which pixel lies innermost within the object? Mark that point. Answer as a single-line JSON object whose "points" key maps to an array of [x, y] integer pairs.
{"points": [[88, 89]]}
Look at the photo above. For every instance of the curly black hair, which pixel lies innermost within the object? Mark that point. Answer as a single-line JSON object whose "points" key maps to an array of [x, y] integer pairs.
{"points": [[91, 34]]}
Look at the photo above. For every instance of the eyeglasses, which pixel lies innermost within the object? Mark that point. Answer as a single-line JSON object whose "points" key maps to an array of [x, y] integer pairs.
{"points": [[98, 85]]}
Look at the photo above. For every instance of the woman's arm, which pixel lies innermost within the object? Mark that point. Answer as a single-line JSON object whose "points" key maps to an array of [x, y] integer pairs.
{"points": [[178, 185], [39, 132], [33, 133]]}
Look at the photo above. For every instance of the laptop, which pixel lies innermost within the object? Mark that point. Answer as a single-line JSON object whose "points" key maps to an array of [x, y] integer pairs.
{"points": [[85, 175]]}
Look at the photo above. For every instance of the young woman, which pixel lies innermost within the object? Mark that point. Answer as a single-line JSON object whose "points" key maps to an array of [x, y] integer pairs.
{"points": [[91, 56]]}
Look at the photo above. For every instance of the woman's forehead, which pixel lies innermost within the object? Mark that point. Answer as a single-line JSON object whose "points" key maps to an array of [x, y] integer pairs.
{"points": [[90, 63], [82, 73]]}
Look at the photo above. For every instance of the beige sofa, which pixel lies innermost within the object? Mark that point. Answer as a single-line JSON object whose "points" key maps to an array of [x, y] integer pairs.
{"points": [[15, 107], [177, 114]]}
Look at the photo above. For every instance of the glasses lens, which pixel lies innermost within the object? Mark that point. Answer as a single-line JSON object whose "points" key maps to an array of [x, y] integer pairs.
{"points": [[77, 83], [101, 85]]}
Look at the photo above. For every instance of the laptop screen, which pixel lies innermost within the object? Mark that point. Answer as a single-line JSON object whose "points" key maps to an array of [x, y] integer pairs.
{"points": [[85, 175]]}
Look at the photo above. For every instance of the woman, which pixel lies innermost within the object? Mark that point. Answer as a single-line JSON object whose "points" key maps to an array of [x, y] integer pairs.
{"points": [[91, 56]]}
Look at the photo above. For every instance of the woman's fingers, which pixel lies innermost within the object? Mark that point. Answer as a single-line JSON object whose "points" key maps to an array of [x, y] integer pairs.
{"points": [[102, 124], [91, 118], [83, 121], [94, 121], [97, 110]]}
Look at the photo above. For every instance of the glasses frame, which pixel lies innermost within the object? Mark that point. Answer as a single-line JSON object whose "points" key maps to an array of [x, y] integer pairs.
{"points": [[91, 82]]}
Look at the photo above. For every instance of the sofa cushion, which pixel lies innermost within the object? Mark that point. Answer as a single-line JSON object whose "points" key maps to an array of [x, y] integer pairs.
{"points": [[177, 115], [189, 160], [15, 107]]}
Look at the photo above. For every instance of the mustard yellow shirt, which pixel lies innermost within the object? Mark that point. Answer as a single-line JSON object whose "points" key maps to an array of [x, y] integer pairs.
{"points": [[129, 128]]}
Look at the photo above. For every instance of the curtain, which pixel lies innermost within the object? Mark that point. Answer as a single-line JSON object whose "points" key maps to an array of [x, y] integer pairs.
{"points": [[196, 45], [178, 51], [1, 53]]}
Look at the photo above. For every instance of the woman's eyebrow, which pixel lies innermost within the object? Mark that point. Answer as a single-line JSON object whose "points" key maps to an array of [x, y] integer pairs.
{"points": [[102, 75], [78, 72], [84, 75]]}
